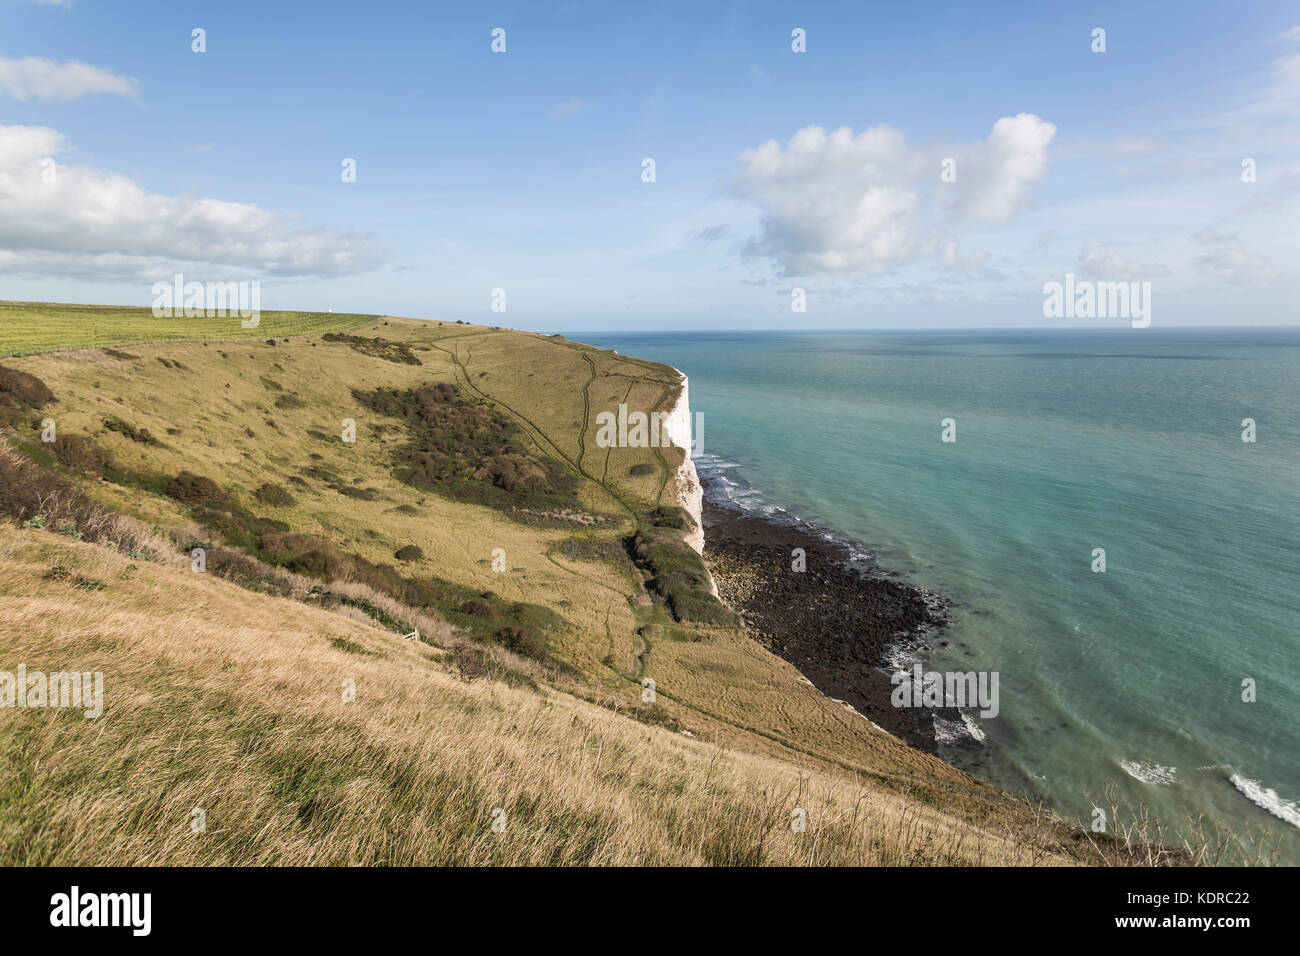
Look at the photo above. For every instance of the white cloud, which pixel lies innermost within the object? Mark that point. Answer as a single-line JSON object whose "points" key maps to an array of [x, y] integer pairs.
{"points": [[1014, 156], [1098, 261], [1288, 68], [839, 203], [91, 222], [1234, 264], [44, 79]]}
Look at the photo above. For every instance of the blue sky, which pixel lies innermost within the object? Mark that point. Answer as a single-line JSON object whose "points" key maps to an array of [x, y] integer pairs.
{"points": [[523, 170]]}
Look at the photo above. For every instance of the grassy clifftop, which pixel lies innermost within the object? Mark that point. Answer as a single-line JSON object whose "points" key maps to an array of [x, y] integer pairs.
{"points": [[344, 484], [30, 327]]}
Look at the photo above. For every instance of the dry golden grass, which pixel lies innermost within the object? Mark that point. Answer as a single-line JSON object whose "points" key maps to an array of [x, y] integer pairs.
{"points": [[230, 702]]}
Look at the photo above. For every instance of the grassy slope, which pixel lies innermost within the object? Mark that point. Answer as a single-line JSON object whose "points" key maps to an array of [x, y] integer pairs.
{"points": [[230, 702], [30, 327], [714, 682]]}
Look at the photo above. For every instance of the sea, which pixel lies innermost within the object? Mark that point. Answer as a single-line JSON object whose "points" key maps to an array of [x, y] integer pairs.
{"points": [[1105, 537]]}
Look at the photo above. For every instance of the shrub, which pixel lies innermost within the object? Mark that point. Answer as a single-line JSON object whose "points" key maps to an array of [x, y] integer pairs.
{"points": [[679, 577], [521, 641], [471, 662], [409, 552], [377, 348], [301, 553], [140, 435], [469, 450], [638, 471], [671, 516], [376, 614], [24, 387], [36, 497], [350, 647], [192, 489], [274, 495], [700, 606], [361, 494], [79, 452], [662, 552], [478, 608]]}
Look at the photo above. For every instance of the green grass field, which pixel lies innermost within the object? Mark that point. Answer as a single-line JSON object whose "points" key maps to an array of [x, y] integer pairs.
{"points": [[27, 328]]}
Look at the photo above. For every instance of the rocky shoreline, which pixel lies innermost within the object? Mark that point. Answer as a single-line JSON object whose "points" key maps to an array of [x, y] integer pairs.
{"points": [[837, 621]]}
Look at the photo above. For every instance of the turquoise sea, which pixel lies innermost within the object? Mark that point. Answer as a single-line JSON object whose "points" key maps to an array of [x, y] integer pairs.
{"points": [[1128, 440]]}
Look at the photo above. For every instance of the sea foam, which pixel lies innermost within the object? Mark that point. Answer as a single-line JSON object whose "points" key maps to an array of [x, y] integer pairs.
{"points": [[1149, 772], [1267, 799]]}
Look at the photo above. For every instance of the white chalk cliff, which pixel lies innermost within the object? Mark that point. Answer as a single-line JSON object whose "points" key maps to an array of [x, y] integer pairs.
{"points": [[684, 483]]}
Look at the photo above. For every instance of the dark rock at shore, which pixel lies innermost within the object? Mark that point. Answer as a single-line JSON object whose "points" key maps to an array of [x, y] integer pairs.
{"points": [[833, 621]]}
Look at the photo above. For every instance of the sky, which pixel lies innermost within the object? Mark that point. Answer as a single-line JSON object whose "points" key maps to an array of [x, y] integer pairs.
{"points": [[927, 165]]}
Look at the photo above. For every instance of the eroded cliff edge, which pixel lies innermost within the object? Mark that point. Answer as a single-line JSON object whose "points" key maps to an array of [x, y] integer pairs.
{"points": [[684, 482]]}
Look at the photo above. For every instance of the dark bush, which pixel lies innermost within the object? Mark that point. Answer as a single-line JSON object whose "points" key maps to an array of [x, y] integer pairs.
{"points": [[377, 348], [29, 492], [645, 468], [471, 662], [702, 607], [140, 435], [79, 452], [275, 495], [469, 450], [679, 577], [670, 516], [521, 641], [301, 553], [409, 552], [193, 489], [25, 388], [479, 608], [362, 494]]}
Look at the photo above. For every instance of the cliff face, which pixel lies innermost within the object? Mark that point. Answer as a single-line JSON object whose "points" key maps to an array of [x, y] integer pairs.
{"points": [[684, 483]]}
